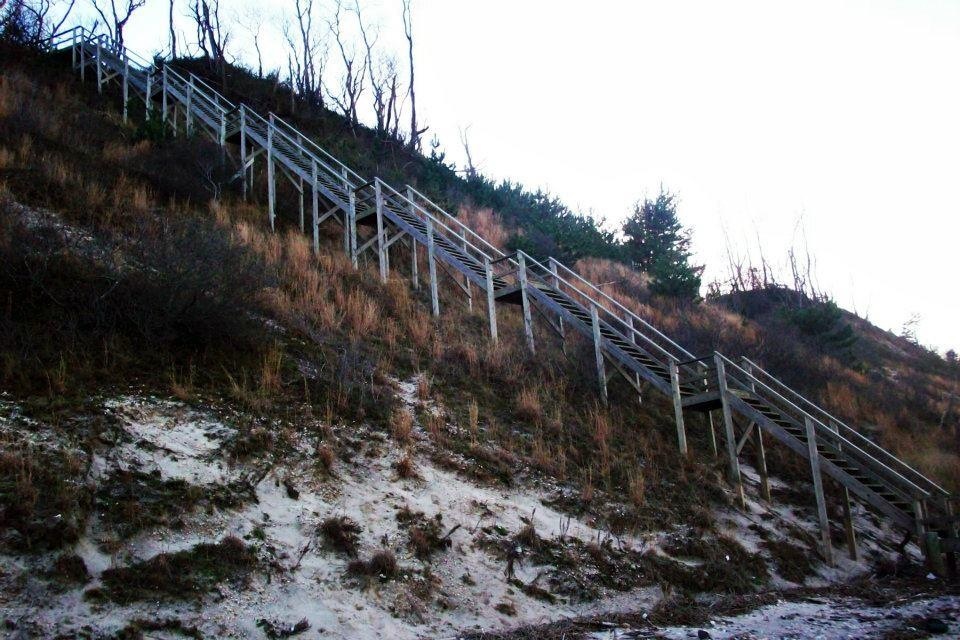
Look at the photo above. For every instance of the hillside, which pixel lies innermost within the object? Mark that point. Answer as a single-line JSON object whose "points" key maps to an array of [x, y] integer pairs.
{"points": [[208, 430]]}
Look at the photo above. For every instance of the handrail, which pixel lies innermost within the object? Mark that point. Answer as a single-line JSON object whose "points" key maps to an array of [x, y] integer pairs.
{"points": [[496, 252], [633, 315], [313, 144], [849, 430], [550, 274], [832, 434], [432, 218]]}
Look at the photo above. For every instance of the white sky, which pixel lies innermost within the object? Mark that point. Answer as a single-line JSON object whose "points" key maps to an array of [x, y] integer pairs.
{"points": [[846, 113]]}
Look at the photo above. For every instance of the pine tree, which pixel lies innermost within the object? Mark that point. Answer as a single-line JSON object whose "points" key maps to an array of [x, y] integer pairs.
{"points": [[658, 244]]}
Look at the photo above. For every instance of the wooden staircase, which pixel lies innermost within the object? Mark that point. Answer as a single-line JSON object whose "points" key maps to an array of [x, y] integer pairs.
{"points": [[637, 350]]}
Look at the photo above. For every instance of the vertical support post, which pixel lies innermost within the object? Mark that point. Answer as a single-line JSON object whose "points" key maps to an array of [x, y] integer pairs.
{"points": [[83, 62], [315, 206], [556, 283], [99, 70], [598, 355], [302, 219], [432, 269], [731, 436], [954, 533], [848, 529], [164, 98], [678, 407], [758, 435], [222, 137], [351, 229], [525, 302], [271, 177], [243, 149], [189, 111], [73, 49], [126, 85], [633, 340], [381, 232], [491, 301], [414, 265], [467, 284], [814, 453], [148, 100], [919, 528]]}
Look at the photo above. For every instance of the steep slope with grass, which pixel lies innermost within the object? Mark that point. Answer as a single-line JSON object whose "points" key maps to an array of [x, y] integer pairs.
{"points": [[206, 429]]}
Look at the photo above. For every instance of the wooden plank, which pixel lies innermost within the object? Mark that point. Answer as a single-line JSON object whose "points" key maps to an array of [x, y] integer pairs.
{"points": [[730, 435], [315, 207], [491, 302], [814, 456], [598, 354], [432, 268], [678, 407], [271, 180], [525, 303]]}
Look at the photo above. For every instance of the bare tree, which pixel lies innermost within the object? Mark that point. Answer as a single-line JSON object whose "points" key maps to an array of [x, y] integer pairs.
{"points": [[471, 170], [33, 21], [351, 88], [415, 133], [308, 53], [251, 19], [173, 32], [119, 15], [212, 38]]}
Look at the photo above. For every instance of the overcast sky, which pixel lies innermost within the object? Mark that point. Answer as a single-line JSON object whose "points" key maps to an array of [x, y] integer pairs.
{"points": [[844, 113]]}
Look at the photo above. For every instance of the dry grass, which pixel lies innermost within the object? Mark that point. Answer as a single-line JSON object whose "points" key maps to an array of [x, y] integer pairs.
{"points": [[406, 468], [401, 425], [423, 387], [528, 407], [341, 534]]}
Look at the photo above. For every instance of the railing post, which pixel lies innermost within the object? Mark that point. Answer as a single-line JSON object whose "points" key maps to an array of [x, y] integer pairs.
{"points": [[381, 232], [243, 149], [432, 269], [731, 437], [302, 210], [351, 229], [633, 340], [83, 60], [126, 85], [847, 511], [73, 50], [678, 407], [99, 70], [189, 111], [271, 177], [148, 100], [556, 284], [598, 354], [491, 301], [315, 206], [164, 97], [467, 284], [525, 302], [814, 454], [758, 434], [414, 265], [223, 132]]}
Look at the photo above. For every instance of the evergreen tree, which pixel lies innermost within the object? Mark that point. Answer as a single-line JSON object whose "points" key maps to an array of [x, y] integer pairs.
{"points": [[658, 244]]}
